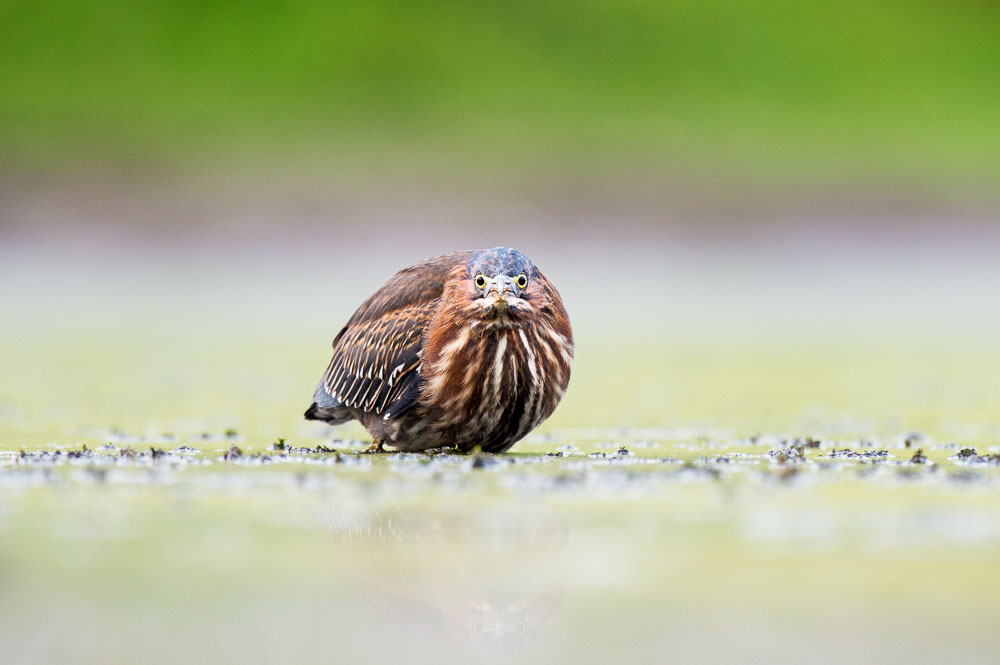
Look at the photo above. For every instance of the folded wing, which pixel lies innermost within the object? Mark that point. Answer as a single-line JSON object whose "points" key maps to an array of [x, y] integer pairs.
{"points": [[376, 357]]}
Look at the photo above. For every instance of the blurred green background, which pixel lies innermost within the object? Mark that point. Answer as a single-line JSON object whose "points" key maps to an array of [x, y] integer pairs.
{"points": [[757, 195], [784, 93]]}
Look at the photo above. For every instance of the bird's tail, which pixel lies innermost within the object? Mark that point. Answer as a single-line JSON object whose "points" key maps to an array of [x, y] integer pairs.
{"points": [[312, 413]]}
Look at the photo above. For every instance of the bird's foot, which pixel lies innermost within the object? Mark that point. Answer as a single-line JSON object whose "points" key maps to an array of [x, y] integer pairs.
{"points": [[376, 447]]}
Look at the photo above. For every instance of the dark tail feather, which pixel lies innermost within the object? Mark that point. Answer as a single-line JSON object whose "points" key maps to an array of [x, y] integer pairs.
{"points": [[334, 415], [327, 408]]}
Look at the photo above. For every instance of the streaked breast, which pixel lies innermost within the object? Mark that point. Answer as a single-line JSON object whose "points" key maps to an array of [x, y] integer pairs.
{"points": [[497, 384]]}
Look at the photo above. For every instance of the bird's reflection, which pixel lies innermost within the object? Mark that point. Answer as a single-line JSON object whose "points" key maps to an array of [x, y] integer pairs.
{"points": [[487, 581]]}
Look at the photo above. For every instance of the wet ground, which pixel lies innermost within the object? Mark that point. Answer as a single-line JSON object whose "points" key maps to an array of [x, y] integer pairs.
{"points": [[652, 545], [780, 448]]}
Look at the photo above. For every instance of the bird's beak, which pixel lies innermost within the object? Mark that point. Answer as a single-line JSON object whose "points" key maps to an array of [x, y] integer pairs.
{"points": [[500, 289]]}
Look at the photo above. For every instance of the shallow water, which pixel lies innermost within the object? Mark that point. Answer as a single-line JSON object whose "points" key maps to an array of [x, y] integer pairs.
{"points": [[623, 544], [690, 501]]}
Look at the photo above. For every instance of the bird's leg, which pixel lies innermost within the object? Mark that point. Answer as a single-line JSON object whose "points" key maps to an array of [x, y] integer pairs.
{"points": [[376, 447]]}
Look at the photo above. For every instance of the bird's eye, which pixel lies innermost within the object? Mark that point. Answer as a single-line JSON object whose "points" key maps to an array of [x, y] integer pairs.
{"points": [[480, 281], [521, 281]]}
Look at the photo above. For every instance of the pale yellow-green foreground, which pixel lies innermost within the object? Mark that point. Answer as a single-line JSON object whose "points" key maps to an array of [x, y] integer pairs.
{"points": [[700, 542]]}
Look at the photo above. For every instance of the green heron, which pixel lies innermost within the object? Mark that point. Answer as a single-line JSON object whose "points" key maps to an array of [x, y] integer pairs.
{"points": [[462, 350]]}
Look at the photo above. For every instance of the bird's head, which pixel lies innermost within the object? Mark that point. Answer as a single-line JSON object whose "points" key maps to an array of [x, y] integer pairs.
{"points": [[503, 283]]}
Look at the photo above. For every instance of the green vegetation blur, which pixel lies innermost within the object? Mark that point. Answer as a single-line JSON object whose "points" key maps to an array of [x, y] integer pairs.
{"points": [[905, 92]]}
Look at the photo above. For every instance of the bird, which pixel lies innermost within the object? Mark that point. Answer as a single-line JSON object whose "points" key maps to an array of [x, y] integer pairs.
{"points": [[469, 350]]}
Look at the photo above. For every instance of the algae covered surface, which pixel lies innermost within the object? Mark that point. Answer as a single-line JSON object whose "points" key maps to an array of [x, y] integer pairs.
{"points": [[781, 476], [645, 543]]}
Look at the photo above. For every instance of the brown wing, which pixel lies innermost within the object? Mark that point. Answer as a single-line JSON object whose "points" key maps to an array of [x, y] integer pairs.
{"points": [[376, 357]]}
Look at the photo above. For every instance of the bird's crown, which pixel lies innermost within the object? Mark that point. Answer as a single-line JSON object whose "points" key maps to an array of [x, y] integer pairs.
{"points": [[500, 261]]}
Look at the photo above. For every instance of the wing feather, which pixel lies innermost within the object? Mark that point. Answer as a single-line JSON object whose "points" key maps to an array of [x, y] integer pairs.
{"points": [[376, 357]]}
